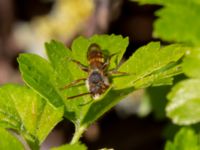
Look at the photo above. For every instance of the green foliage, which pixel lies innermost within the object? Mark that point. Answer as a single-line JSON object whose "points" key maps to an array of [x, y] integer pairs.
{"points": [[191, 63], [161, 65], [151, 64], [61, 71], [185, 139], [178, 20], [38, 73], [184, 104], [26, 112], [9, 142], [46, 102]]}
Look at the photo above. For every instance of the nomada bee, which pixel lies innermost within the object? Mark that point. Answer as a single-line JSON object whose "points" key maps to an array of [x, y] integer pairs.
{"points": [[97, 81]]}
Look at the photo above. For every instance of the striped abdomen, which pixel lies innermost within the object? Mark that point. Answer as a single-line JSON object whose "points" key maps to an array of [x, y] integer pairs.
{"points": [[95, 57]]}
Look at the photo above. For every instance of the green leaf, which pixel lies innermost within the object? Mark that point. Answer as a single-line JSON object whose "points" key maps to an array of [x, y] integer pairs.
{"points": [[26, 112], [47, 80], [185, 139], [172, 25], [184, 102], [39, 75], [191, 63], [151, 64], [76, 146], [67, 71], [9, 142]]}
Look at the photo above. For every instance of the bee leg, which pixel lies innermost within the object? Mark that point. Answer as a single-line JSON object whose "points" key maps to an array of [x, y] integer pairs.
{"points": [[105, 65], [107, 62], [112, 55], [71, 97], [114, 71], [83, 67], [83, 94], [72, 83]]}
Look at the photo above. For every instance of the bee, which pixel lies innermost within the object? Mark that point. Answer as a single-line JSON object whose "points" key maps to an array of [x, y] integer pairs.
{"points": [[97, 81]]}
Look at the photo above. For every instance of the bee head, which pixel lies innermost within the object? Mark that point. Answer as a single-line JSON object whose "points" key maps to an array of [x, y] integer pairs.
{"points": [[94, 50]]}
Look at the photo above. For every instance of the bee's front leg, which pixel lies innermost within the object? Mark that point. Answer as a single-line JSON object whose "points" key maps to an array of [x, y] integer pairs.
{"points": [[83, 67], [107, 62]]}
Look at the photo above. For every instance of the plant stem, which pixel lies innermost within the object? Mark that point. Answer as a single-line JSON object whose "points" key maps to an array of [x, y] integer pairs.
{"points": [[78, 132]]}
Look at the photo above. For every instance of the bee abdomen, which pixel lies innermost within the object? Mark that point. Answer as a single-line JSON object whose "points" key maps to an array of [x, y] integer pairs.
{"points": [[95, 56], [97, 83]]}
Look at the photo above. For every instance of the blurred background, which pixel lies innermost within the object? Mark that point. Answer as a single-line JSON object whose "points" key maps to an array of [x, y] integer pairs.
{"points": [[26, 24]]}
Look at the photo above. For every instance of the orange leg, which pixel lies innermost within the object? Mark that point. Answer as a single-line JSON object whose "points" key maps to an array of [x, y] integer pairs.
{"points": [[73, 83], [83, 67]]}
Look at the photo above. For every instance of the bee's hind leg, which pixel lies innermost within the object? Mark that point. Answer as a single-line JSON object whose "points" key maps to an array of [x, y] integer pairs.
{"points": [[82, 94], [79, 95]]}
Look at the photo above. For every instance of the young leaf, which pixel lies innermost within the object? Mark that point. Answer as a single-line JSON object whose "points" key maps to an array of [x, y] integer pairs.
{"points": [[26, 112], [185, 139], [185, 28], [150, 64], [76, 146], [9, 142], [191, 63], [184, 102]]}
